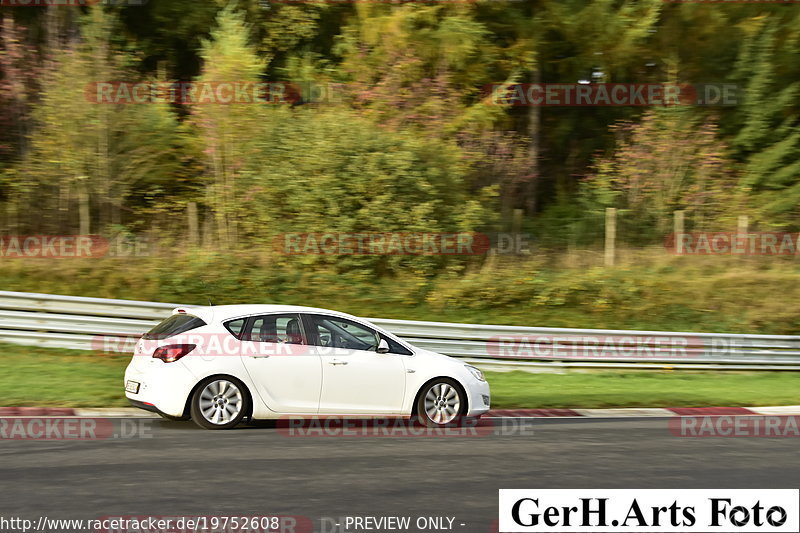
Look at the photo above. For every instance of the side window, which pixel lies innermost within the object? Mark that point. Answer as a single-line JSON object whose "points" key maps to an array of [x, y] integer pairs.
{"points": [[342, 333], [235, 327], [324, 335], [278, 329]]}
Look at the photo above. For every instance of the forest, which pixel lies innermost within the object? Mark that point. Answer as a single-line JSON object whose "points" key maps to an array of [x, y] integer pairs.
{"points": [[209, 128]]}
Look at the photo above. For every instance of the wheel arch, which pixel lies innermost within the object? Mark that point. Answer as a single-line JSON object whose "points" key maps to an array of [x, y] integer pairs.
{"points": [[462, 390], [187, 406]]}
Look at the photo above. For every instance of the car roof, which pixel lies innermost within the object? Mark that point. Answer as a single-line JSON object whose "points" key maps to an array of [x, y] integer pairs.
{"points": [[220, 313]]}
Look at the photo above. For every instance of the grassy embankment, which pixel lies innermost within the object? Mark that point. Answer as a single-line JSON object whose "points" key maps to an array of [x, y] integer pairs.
{"points": [[647, 291], [35, 376]]}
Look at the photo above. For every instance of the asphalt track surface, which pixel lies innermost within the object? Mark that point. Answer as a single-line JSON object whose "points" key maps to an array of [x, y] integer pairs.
{"points": [[184, 470]]}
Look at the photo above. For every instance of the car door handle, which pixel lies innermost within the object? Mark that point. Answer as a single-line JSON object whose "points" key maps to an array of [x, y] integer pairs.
{"points": [[337, 362], [259, 356]]}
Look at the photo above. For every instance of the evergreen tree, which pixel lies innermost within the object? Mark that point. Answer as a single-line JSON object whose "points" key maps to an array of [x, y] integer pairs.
{"points": [[768, 143]]}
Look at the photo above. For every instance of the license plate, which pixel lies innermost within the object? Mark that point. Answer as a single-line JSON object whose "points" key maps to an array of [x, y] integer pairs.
{"points": [[132, 387]]}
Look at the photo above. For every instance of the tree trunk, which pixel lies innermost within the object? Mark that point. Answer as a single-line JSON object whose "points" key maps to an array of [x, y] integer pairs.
{"points": [[534, 129], [83, 210]]}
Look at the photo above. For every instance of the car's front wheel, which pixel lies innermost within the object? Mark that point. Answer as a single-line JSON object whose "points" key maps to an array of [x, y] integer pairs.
{"points": [[219, 403], [441, 403]]}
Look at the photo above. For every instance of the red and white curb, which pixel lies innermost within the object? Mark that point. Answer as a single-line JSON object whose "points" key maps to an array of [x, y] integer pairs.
{"points": [[635, 412], [121, 412]]}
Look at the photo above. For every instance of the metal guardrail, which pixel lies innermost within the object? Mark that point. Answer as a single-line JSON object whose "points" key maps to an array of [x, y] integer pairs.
{"points": [[81, 323]]}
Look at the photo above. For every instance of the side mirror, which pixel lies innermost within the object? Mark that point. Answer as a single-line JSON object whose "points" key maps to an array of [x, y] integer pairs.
{"points": [[383, 346]]}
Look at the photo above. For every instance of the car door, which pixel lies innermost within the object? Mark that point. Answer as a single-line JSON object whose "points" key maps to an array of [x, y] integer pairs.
{"points": [[276, 354], [356, 379]]}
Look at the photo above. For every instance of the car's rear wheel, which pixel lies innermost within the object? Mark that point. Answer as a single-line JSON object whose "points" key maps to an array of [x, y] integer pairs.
{"points": [[219, 403], [441, 403]]}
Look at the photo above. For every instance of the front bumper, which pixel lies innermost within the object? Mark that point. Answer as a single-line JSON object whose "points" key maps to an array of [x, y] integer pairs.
{"points": [[479, 398]]}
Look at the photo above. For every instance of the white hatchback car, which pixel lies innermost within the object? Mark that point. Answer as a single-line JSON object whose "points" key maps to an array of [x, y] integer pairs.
{"points": [[220, 365]]}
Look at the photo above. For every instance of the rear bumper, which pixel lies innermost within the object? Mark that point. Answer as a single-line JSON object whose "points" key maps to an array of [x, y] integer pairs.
{"points": [[145, 406], [164, 387]]}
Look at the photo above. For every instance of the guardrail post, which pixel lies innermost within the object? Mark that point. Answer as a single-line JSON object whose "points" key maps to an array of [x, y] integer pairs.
{"points": [[743, 225], [611, 236], [191, 212], [679, 227]]}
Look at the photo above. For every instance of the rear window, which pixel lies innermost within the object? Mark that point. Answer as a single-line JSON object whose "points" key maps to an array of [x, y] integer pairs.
{"points": [[174, 325], [235, 327]]}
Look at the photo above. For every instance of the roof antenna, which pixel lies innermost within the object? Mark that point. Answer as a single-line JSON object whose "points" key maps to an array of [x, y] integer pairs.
{"points": [[205, 290]]}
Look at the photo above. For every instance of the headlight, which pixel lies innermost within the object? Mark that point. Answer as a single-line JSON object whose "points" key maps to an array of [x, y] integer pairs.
{"points": [[475, 372]]}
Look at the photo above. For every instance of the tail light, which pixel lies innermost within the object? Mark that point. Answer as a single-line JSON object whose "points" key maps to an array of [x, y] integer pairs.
{"points": [[173, 352]]}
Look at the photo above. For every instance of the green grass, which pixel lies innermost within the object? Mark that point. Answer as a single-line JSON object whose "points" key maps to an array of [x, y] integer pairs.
{"points": [[47, 377], [61, 378], [644, 389]]}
